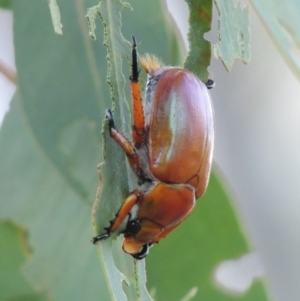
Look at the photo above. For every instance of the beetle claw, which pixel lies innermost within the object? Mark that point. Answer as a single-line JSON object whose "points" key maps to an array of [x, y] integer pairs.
{"points": [[100, 237], [133, 41], [134, 77], [110, 118]]}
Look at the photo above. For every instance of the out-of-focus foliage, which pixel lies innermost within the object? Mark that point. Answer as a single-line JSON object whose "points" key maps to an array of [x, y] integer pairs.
{"points": [[282, 21]]}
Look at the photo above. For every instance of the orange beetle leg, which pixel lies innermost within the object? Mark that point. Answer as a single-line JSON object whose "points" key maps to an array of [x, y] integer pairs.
{"points": [[128, 148], [130, 201], [137, 103]]}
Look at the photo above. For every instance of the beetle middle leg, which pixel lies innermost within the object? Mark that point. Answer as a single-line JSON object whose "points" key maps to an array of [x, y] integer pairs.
{"points": [[125, 209]]}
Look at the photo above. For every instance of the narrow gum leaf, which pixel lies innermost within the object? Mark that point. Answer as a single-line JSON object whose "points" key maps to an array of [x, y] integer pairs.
{"points": [[13, 253], [92, 14], [49, 150], [234, 33], [115, 173]]}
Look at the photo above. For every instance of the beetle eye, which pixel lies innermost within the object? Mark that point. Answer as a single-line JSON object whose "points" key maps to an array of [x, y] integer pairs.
{"points": [[132, 227]]}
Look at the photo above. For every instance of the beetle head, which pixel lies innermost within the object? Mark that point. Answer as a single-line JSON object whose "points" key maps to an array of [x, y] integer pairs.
{"points": [[138, 237]]}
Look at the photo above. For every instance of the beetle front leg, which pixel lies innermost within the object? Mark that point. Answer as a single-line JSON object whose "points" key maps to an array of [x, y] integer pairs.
{"points": [[130, 201], [128, 148]]}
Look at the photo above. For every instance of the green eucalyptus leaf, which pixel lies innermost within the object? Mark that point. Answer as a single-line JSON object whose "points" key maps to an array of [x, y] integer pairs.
{"points": [[114, 184], [114, 173], [34, 193], [234, 32], [13, 252], [50, 145]]}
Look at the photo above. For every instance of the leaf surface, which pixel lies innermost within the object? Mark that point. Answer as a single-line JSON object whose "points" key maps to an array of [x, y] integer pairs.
{"points": [[234, 32]]}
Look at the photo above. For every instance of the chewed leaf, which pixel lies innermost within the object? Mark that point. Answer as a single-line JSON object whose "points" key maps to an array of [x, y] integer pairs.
{"points": [[91, 15], [114, 173], [234, 32], [109, 199], [13, 252]]}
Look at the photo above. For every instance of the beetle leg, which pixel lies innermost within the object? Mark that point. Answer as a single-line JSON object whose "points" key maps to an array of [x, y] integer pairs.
{"points": [[138, 128], [130, 201], [128, 148]]}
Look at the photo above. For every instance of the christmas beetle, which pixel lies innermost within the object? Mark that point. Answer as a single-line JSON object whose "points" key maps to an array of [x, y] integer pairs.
{"points": [[170, 153]]}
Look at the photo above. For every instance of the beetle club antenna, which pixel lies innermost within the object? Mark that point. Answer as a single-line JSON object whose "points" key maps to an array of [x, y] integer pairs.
{"points": [[210, 84], [134, 65]]}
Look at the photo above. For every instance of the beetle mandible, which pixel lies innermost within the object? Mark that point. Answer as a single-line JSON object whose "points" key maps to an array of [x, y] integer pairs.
{"points": [[171, 152]]}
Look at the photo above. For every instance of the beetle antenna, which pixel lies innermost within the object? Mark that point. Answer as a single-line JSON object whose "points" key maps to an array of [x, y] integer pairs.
{"points": [[100, 237], [134, 64], [210, 84]]}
